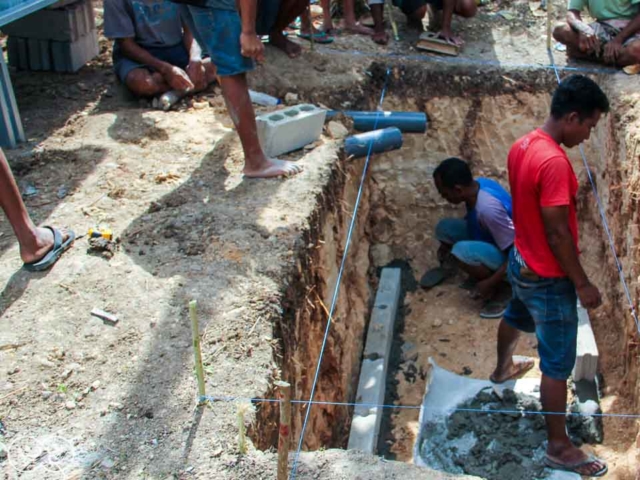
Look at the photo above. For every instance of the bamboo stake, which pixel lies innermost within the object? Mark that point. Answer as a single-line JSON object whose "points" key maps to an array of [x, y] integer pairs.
{"points": [[392, 19], [196, 349], [243, 409], [549, 8], [311, 29], [284, 439]]}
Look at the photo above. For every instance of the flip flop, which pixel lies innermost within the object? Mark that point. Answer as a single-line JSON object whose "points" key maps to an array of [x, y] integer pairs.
{"points": [[525, 364], [320, 37], [434, 277], [576, 466], [493, 309], [468, 284], [52, 256]]}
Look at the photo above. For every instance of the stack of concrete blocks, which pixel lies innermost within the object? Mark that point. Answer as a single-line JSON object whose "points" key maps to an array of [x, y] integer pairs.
{"points": [[367, 417], [61, 38], [290, 129]]}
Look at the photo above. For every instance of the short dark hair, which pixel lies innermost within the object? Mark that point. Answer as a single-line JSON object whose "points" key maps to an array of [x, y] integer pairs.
{"points": [[579, 94], [453, 171]]}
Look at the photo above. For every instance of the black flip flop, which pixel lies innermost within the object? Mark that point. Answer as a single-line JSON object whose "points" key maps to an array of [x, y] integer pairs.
{"points": [[493, 309], [52, 256], [434, 277], [574, 467]]}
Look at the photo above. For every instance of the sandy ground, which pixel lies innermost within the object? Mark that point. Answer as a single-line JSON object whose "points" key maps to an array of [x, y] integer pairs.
{"points": [[118, 401]]}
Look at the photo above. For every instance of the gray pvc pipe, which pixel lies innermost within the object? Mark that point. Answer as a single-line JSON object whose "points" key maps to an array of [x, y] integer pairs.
{"points": [[377, 141]]}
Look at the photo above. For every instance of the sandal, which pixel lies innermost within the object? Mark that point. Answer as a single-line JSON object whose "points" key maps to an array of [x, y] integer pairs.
{"points": [[575, 468], [319, 37], [52, 256]]}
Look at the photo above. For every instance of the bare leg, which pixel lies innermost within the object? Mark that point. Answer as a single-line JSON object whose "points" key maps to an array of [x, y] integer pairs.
{"points": [[479, 272], [507, 368], [567, 36], [289, 10], [349, 23], [415, 19], [210, 72], [553, 395], [143, 83], [630, 54], [380, 36], [327, 21], [466, 8], [236, 95], [34, 242]]}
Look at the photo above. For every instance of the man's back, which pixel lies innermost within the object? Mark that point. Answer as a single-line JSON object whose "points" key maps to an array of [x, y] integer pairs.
{"points": [[540, 175], [607, 9], [151, 23]]}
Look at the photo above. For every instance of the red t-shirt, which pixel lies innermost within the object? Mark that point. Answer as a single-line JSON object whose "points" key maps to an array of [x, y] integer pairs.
{"points": [[540, 175]]}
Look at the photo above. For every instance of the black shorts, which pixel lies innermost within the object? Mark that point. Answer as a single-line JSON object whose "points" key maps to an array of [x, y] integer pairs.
{"points": [[409, 7]]}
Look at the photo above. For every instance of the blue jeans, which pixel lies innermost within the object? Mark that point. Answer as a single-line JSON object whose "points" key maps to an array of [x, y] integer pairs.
{"points": [[453, 231], [218, 33], [548, 307]]}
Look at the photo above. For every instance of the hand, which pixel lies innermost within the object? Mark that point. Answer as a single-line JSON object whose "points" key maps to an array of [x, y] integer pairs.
{"points": [[251, 46], [447, 35], [587, 40], [612, 51], [589, 296], [486, 289], [196, 73], [178, 79]]}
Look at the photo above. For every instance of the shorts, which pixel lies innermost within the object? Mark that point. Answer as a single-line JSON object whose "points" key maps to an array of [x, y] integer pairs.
{"points": [[218, 33], [607, 30], [176, 55], [548, 307], [409, 7], [453, 231]]}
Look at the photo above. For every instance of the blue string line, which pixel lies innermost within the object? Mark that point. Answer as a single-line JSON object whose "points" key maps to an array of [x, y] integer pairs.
{"points": [[336, 290], [605, 224], [213, 398]]}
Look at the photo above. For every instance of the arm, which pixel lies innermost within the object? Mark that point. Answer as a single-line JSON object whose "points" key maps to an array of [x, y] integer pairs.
{"points": [[614, 47], [556, 224], [587, 39], [195, 68], [250, 44], [488, 286], [174, 76]]}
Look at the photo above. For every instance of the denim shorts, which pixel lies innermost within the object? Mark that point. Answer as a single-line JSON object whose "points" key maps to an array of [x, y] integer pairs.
{"points": [[218, 33], [176, 56], [548, 307], [453, 231]]}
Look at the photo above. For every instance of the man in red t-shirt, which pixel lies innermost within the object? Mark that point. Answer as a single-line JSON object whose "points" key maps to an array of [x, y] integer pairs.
{"points": [[544, 269]]}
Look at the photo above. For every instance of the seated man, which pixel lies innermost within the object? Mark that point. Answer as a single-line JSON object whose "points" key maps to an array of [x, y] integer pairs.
{"points": [[480, 242], [153, 53], [416, 10], [613, 38]]}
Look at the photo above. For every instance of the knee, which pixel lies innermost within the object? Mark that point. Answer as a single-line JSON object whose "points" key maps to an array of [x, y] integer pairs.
{"points": [[419, 14], [560, 33], [141, 83], [634, 51], [467, 8]]}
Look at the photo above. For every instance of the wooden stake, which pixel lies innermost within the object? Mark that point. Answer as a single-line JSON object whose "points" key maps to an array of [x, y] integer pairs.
{"points": [[392, 20], [284, 439], [311, 32], [196, 349], [549, 8]]}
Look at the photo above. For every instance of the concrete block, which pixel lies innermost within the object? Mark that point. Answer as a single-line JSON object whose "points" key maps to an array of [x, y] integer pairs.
{"points": [[71, 56], [383, 315], [45, 55], [290, 129], [61, 24], [586, 367], [35, 60]]}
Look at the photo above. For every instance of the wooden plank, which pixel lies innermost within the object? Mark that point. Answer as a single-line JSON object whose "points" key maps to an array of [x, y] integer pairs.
{"points": [[430, 42]]}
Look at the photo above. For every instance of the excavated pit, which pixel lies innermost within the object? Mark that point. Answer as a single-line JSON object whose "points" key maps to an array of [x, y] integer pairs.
{"points": [[477, 116]]}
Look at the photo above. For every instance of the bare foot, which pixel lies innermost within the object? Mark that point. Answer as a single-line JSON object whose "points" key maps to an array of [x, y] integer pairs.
{"points": [[42, 244], [569, 457], [278, 40], [518, 367], [381, 38], [356, 28], [273, 168]]}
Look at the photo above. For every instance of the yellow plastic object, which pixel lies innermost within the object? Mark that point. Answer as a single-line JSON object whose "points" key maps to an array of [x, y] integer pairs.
{"points": [[98, 232]]}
